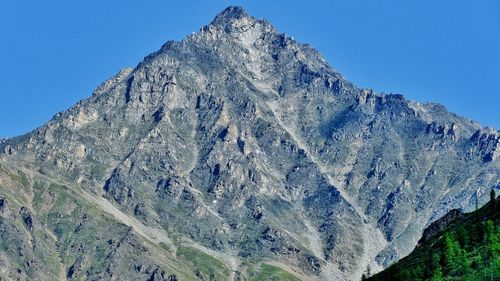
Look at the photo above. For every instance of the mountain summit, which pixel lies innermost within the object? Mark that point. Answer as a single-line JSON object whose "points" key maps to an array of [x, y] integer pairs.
{"points": [[229, 14], [234, 154]]}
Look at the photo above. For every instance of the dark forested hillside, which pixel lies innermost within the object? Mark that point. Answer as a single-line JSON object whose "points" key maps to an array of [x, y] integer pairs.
{"points": [[467, 249]]}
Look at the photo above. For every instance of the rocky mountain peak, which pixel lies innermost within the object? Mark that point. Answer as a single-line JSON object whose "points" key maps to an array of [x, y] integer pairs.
{"points": [[250, 144], [230, 14], [234, 21]]}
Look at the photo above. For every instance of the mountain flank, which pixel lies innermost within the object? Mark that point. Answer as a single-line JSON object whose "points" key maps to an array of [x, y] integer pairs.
{"points": [[237, 153]]}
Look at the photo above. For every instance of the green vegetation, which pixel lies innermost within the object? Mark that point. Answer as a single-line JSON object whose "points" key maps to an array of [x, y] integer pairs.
{"points": [[97, 171], [271, 273], [205, 266], [22, 179], [165, 247], [468, 249]]}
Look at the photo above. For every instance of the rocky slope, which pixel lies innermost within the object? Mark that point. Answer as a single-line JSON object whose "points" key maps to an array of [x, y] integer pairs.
{"points": [[241, 144]]}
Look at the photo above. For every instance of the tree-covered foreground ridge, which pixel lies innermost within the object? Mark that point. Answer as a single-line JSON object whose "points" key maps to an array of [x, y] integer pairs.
{"points": [[467, 249]]}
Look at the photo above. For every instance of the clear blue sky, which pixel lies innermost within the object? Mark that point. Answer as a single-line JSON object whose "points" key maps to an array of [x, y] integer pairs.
{"points": [[54, 53]]}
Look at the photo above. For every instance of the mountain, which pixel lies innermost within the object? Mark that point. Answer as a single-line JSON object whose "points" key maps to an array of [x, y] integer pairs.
{"points": [[467, 247], [234, 154]]}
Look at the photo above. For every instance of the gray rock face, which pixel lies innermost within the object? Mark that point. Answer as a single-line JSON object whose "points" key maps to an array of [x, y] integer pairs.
{"points": [[246, 145], [440, 225]]}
